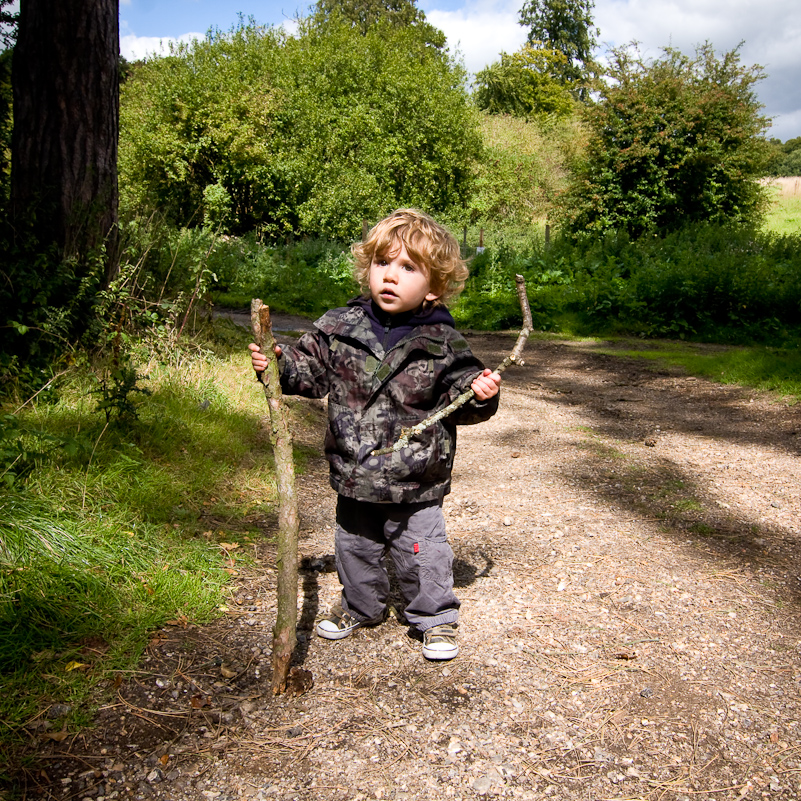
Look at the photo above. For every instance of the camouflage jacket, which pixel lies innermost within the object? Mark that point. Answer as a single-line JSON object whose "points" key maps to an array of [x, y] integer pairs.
{"points": [[373, 395]]}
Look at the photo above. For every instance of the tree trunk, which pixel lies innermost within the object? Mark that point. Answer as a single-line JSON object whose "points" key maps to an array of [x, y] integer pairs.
{"points": [[66, 125], [284, 637]]}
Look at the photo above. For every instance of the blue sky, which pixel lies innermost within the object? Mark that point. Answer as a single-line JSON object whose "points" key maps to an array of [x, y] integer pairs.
{"points": [[481, 29]]}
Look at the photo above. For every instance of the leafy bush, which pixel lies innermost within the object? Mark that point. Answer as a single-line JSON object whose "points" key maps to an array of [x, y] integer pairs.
{"points": [[525, 84], [717, 283], [305, 278], [672, 141], [304, 134], [522, 170]]}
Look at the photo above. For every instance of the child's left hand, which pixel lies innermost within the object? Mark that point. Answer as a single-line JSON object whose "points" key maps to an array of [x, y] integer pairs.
{"points": [[486, 385]]}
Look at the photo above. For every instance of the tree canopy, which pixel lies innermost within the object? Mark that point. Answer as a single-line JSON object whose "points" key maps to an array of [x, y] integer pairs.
{"points": [[525, 84], [302, 134], [673, 140], [565, 26], [364, 14]]}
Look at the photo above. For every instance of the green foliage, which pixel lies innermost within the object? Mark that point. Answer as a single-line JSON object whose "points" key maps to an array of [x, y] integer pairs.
{"points": [[704, 282], [671, 141], [522, 170], [305, 278], [197, 132], [567, 27], [525, 84], [308, 134], [490, 297], [46, 300], [363, 14], [785, 159], [115, 393]]}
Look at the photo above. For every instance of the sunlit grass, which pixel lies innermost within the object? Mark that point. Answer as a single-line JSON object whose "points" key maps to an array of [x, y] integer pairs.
{"points": [[777, 370], [104, 542], [784, 214]]}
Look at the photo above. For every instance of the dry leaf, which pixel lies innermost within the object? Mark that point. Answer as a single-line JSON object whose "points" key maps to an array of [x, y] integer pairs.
{"points": [[226, 672], [626, 655], [164, 759], [75, 666], [229, 546], [179, 621], [58, 736], [198, 701], [774, 737]]}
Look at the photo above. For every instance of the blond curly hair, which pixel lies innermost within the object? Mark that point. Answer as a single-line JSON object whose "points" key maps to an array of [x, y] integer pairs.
{"points": [[429, 245]]}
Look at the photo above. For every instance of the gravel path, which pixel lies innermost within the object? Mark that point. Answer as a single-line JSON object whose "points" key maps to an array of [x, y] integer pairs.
{"points": [[627, 558]]}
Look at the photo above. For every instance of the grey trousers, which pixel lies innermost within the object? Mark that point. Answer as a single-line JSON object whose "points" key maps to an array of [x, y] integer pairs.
{"points": [[414, 536]]}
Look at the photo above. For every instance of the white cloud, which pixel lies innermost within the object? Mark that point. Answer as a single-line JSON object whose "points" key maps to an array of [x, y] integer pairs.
{"points": [[770, 32], [136, 47], [480, 34]]}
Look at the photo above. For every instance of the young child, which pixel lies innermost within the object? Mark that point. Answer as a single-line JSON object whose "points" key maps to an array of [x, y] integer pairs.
{"points": [[387, 361]]}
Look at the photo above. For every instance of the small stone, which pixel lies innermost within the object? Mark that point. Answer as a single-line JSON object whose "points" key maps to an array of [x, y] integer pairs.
{"points": [[58, 711], [776, 505], [516, 454], [646, 692], [507, 521]]}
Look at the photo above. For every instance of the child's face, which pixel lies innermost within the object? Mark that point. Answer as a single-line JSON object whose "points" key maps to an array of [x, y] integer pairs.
{"points": [[398, 284]]}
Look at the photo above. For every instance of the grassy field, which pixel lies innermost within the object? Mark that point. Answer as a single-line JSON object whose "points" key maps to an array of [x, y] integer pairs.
{"points": [[784, 215]]}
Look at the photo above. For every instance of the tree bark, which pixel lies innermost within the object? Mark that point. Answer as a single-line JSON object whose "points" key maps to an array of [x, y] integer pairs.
{"points": [[284, 637], [66, 125]]}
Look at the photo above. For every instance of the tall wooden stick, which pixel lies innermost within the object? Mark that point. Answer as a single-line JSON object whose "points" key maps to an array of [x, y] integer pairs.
{"points": [[284, 637], [512, 358]]}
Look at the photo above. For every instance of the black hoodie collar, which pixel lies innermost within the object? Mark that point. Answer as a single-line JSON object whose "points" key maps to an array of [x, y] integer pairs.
{"points": [[390, 329]]}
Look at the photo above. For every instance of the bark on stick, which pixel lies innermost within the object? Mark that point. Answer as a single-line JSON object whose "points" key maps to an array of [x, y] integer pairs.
{"points": [[284, 638], [512, 358]]}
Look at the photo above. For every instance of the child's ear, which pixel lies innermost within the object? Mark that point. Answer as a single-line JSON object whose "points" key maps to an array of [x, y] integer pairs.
{"points": [[431, 297]]}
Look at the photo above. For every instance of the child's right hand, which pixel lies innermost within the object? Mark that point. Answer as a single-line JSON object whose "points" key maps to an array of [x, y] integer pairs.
{"points": [[258, 359]]}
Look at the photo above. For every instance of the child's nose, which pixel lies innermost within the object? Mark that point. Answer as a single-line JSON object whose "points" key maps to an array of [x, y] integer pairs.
{"points": [[391, 274]]}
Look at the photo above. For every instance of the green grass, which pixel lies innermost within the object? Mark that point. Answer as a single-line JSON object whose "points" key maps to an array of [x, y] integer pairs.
{"points": [[777, 370], [105, 540], [784, 214]]}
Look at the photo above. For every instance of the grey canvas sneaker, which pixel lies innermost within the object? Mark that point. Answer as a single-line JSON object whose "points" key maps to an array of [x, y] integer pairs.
{"points": [[439, 642], [337, 624]]}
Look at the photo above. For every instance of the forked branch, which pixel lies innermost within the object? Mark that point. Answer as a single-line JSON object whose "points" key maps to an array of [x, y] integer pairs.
{"points": [[465, 397]]}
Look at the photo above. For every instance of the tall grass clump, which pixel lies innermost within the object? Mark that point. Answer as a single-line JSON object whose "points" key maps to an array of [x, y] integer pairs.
{"points": [[111, 526]]}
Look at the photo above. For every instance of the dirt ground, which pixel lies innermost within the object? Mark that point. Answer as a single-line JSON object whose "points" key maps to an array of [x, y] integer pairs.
{"points": [[627, 556]]}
